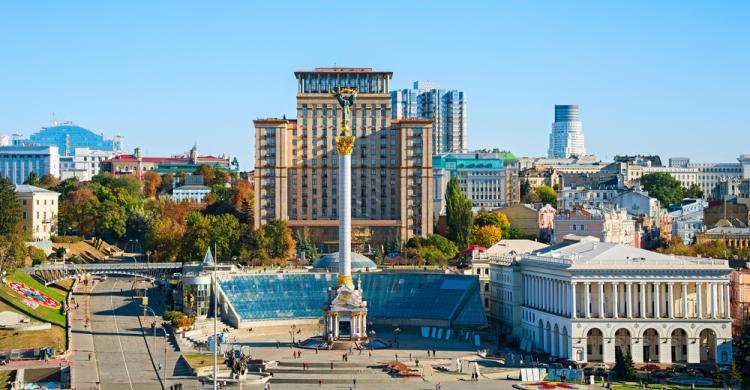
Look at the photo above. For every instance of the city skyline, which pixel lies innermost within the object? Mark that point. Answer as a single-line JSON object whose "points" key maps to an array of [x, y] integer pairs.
{"points": [[168, 82]]}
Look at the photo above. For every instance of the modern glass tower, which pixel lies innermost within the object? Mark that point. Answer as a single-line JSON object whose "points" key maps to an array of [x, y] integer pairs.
{"points": [[447, 109], [566, 139], [67, 137]]}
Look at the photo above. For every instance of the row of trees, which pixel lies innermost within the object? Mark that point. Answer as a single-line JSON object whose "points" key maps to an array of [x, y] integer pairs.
{"points": [[715, 249], [485, 229], [125, 210], [12, 250]]}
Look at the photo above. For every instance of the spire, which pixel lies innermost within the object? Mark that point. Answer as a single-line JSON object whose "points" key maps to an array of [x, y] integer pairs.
{"points": [[208, 259]]}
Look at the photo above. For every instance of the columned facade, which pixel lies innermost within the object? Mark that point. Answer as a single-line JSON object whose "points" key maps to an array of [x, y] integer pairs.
{"points": [[664, 309]]}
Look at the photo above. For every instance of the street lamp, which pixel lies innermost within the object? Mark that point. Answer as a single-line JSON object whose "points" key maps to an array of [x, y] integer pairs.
{"points": [[164, 326], [291, 332], [148, 257]]}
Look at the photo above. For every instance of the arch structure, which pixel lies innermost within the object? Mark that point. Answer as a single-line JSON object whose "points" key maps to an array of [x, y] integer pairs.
{"points": [[54, 273], [664, 343]]}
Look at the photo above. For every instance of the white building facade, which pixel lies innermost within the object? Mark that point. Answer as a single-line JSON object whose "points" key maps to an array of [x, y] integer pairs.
{"points": [[588, 301], [84, 164]]}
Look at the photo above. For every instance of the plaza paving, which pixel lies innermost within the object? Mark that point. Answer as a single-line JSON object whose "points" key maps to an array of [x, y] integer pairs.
{"points": [[119, 358]]}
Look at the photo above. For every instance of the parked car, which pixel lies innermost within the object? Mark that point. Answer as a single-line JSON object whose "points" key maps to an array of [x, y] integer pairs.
{"points": [[3, 360], [660, 373], [677, 368], [650, 367]]}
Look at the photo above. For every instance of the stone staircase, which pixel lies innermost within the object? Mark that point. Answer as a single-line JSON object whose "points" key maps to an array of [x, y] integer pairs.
{"points": [[200, 333], [342, 373]]}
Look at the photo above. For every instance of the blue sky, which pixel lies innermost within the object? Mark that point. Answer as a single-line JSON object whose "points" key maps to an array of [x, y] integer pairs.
{"points": [[667, 77]]}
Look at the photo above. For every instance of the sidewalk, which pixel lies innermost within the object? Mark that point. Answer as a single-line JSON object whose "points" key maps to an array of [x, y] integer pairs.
{"points": [[15, 364], [84, 370]]}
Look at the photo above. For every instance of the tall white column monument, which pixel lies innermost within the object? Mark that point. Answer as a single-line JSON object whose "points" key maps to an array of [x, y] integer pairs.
{"points": [[346, 314]]}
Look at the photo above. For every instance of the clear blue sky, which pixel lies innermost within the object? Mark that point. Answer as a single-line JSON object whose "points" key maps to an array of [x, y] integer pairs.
{"points": [[666, 77]]}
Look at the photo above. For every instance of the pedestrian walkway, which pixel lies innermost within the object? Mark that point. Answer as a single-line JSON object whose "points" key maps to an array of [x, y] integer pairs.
{"points": [[84, 370]]}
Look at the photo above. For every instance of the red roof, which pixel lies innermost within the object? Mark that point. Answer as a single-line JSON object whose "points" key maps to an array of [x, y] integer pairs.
{"points": [[471, 249], [161, 160]]}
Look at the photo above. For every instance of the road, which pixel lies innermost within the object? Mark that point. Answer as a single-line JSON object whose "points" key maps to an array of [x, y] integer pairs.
{"points": [[113, 351]]}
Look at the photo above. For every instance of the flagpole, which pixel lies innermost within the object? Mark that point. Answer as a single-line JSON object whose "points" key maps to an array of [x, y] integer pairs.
{"points": [[216, 313]]}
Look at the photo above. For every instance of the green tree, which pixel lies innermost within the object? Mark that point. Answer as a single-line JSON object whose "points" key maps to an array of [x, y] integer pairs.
{"points": [[492, 218], [78, 211], [280, 236], [742, 354], [306, 247], [12, 252], [225, 234], [32, 180], [448, 249], [663, 187], [10, 208], [459, 215], [197, 237], [111, 220], [525, 187], [735, 378], [624, 368], [694, 191], [165, 239], [717, 376], [514, 233], [547, 195]]}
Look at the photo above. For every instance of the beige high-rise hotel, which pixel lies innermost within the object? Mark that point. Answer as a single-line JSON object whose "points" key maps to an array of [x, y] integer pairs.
{"points": [[295, 163]]}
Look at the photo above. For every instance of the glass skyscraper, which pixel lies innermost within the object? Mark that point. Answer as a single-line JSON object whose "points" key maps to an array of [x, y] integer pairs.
{"points": [[67, 137], [446, 108], [566, 139]]}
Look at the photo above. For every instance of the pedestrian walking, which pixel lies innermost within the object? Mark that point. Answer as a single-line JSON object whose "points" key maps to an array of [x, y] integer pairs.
{"points": [[320, 381], [331, 365], [89, 356], [416, 361], [370, 354], [409, 356], [354, 382]]}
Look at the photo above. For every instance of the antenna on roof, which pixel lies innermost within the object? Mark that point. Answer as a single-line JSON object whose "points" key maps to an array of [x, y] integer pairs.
{"points": [[53, 122]]}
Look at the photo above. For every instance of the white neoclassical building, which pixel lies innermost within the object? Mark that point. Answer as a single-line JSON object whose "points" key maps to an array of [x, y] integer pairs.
{"points": [[587, 300]]}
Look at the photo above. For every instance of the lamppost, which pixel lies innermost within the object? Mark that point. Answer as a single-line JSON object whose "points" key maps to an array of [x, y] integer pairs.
{"points": [[148, 257], [164, 328], [291, 332]]}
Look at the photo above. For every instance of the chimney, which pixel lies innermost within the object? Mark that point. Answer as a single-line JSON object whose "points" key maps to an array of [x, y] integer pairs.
{"points": [[137, 153]]}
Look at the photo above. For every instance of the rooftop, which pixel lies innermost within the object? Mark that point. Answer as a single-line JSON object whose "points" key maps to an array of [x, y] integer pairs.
{"points": [[514, 247], [600, 255], [25, 188], [341, 70]]}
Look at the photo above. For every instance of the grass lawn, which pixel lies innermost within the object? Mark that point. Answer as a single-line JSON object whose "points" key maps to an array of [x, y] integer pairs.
{"points": [[5, 377], [198, 360], [43, 313], [64, 285], [54, 336]]}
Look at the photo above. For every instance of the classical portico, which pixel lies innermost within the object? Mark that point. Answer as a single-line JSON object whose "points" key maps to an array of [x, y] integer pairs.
{"points": [[605, 297]]}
